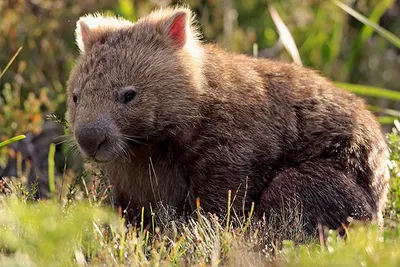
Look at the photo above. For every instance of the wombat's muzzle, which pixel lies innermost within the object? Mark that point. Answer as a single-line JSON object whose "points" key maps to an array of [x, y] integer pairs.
{"points": [[90, 138]]}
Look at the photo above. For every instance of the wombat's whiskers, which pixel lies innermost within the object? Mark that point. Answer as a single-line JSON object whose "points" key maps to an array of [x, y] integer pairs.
{"points": [[134, 139]]}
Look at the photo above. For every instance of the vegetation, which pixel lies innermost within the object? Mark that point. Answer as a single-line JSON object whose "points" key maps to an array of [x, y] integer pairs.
{"points": [[356, 46], [76, 229]]}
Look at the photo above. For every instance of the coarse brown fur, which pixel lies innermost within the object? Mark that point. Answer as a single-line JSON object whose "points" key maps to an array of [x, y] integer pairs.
{"points": [[204, 121]]}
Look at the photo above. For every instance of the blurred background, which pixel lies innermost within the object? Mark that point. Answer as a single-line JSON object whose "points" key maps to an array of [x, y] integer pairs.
{"points": [[327, 37]]}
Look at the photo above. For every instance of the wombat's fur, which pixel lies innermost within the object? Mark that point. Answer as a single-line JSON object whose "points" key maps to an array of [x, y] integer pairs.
{"points": [[169, 117]]}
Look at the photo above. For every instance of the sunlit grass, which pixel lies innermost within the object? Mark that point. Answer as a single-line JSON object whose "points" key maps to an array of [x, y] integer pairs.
{"points": [[47, 234], [82, 231]]}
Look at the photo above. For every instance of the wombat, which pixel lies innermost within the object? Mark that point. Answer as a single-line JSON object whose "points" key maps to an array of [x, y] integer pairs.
{"points": [[172, 119]]}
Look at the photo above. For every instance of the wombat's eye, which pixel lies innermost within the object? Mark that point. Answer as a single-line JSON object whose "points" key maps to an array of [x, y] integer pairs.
{"points": [[75, 99], [129, 96]]}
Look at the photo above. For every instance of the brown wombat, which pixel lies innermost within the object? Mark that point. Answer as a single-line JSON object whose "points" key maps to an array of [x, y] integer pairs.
{"points": [[172, 119]]}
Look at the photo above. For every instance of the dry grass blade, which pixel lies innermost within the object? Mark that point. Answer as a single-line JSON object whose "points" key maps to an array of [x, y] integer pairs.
{"points": [[11, 61], [285, 36]]}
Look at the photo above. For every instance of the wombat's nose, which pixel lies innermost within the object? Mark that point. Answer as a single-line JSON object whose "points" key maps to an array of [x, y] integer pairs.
{"points": [[90, 139]]}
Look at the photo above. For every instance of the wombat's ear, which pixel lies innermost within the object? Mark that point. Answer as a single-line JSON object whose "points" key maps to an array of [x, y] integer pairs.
{"points": [[82, 34], [175, 25], [93, 28]]}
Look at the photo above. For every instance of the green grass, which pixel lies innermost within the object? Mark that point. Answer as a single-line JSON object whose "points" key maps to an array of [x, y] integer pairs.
{"points": [[12, 140], [390, 37], [47, 234], [77, 229]]}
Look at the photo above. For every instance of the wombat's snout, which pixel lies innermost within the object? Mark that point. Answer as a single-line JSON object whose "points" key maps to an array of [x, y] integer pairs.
{"points": [[90, 138]]}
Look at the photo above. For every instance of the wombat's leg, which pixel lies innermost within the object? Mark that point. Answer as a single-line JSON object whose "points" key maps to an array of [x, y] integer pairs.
{"points": [[315, 193]]}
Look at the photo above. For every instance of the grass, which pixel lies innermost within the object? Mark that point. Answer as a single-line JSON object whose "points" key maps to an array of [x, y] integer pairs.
{"points": [[12, 140], [10, 62], [48, 233], [77, 228], [368, 22]]}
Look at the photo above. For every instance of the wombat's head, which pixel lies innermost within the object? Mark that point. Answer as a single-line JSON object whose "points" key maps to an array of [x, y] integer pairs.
{"points": [[133, 81]]}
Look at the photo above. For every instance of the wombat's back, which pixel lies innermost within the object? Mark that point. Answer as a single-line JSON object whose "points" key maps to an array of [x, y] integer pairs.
{"points": [[293, 134]]}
